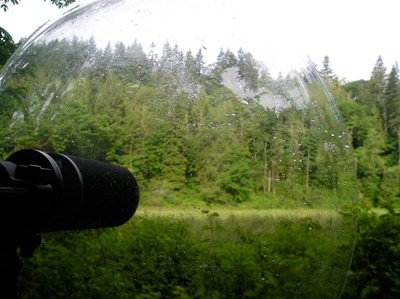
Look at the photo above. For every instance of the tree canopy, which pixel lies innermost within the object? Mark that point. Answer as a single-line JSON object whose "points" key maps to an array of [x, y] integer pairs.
{"points": [[7, 44], [59, 3]]}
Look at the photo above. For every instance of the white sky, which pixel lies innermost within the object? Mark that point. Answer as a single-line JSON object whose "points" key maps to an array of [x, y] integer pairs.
{"points": [[351, 32]]}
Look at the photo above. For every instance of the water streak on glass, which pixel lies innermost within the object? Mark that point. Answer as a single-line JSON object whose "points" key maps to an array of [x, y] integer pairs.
{"points": [[247, 179]]}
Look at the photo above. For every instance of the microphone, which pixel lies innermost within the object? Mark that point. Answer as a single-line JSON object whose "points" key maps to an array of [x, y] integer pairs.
{"points": [[42, 192], [56, 192]]}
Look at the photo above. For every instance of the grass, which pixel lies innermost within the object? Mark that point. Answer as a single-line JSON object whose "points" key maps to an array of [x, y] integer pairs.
{"points": [[239, 213], [232, 224]]}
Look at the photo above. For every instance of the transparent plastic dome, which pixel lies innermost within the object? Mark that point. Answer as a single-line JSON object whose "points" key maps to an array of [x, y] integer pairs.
{"points": [[244, 166]]}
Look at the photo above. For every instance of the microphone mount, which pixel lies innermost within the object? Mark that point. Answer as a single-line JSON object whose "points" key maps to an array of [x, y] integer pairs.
{"points": [[25, 189], [29, 182], [42, 192]]}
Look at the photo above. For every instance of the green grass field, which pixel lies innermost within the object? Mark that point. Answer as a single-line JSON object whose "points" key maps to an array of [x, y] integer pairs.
{"points": [[225, 212]]}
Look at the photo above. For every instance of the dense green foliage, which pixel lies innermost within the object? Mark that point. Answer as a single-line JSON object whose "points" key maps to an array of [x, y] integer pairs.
{"points": [[176, 258], [7, 46], [371, 111], [174, 124], [375, 269]]}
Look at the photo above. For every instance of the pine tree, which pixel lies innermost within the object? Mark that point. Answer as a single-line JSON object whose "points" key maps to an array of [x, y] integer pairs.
{"points": [[190, 64], [152, 56], [174, 159], [103, 62], [7, 46], [119, 59], [377, 82], [327, 72], [370, 162], [199, 64], [138, 65], [248, 70], [392, 99], [377, 85]]}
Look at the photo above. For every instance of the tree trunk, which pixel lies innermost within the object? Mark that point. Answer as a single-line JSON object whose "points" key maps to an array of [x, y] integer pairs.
{"points": [[385, 120], [356, 167], [265, 169], [269, 182], [255, 151], [143, 119], [273, 180], [241, 134], [187, 124], [308, 169], [264, 184], [398, 134]]}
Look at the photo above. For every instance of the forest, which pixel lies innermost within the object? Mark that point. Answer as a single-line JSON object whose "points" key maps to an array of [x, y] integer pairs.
{"points": [[226, 134], [175, 125]]}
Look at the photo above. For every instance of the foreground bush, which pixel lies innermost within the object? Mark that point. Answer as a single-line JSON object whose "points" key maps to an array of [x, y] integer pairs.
{"points": [[375, 270], [176, 257]]}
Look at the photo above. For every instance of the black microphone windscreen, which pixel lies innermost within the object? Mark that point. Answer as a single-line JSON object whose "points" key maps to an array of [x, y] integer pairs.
{"points": [[96, 194]]}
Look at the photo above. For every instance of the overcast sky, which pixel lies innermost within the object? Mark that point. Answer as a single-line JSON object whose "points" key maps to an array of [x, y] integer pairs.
{"points": [[351, 32]]}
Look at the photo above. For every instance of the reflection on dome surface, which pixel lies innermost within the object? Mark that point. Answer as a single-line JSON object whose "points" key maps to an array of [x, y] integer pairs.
{"points": [[240, 153]]}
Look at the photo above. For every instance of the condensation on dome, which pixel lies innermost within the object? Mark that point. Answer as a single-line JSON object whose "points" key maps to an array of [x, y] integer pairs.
{"points": [[207, 106]]}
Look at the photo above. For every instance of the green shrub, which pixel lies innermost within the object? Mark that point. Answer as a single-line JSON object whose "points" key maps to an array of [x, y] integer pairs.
{"points": [[175, 257], [375, 270]]}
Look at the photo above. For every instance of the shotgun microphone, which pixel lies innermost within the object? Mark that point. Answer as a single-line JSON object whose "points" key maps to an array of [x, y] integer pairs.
{"points": [[56, 192]]}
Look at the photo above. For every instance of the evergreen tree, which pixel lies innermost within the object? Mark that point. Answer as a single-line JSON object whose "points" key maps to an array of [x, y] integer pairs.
{"points": [[103, 62], [152, 56], [248, 70], [392, 100], [237, 179], [377, 85], [174, 156], [377, 82], [226, 59], [7, 46], [138, 65], [119, 59], [370, 163], [199, 62], [327, 72], [92, 47], [190, 64]]}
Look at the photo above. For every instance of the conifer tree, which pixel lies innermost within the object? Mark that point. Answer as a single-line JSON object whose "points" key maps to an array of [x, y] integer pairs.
{"points": [[377, 82], [7, 46], [392, 100], [327, 73], [199, 63], [370, 161], [103, 61], [190, 63], [138, 65], [248, 70], [377, 85], [119, 59]]}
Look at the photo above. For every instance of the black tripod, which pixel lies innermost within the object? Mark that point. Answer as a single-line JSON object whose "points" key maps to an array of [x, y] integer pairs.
{"points": [[10, 265], [25, 192]]}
